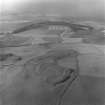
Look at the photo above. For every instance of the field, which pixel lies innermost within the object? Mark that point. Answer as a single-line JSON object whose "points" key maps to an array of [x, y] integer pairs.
{"points": [[87, 89]]}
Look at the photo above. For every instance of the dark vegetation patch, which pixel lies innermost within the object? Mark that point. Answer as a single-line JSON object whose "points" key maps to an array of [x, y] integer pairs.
{"points": [[74, 27]]}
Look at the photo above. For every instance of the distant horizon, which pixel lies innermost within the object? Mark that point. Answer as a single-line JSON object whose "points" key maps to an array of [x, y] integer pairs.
{"points": [[27, 17], [74, 8]]}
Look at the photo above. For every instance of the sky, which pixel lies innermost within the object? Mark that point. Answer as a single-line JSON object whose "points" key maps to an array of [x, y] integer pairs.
{"points": [[16, 4], [73, 7]]}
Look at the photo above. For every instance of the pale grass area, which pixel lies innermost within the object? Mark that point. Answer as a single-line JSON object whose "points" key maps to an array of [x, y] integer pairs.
{"points": [[91, 67], [7, 75], [92, 58]]}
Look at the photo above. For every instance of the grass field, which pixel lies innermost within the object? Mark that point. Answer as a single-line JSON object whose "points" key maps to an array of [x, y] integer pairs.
{"points": [[88, 89]]}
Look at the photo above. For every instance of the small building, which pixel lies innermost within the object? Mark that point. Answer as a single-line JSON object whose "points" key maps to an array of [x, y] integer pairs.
{"points": [[58, 27]]}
